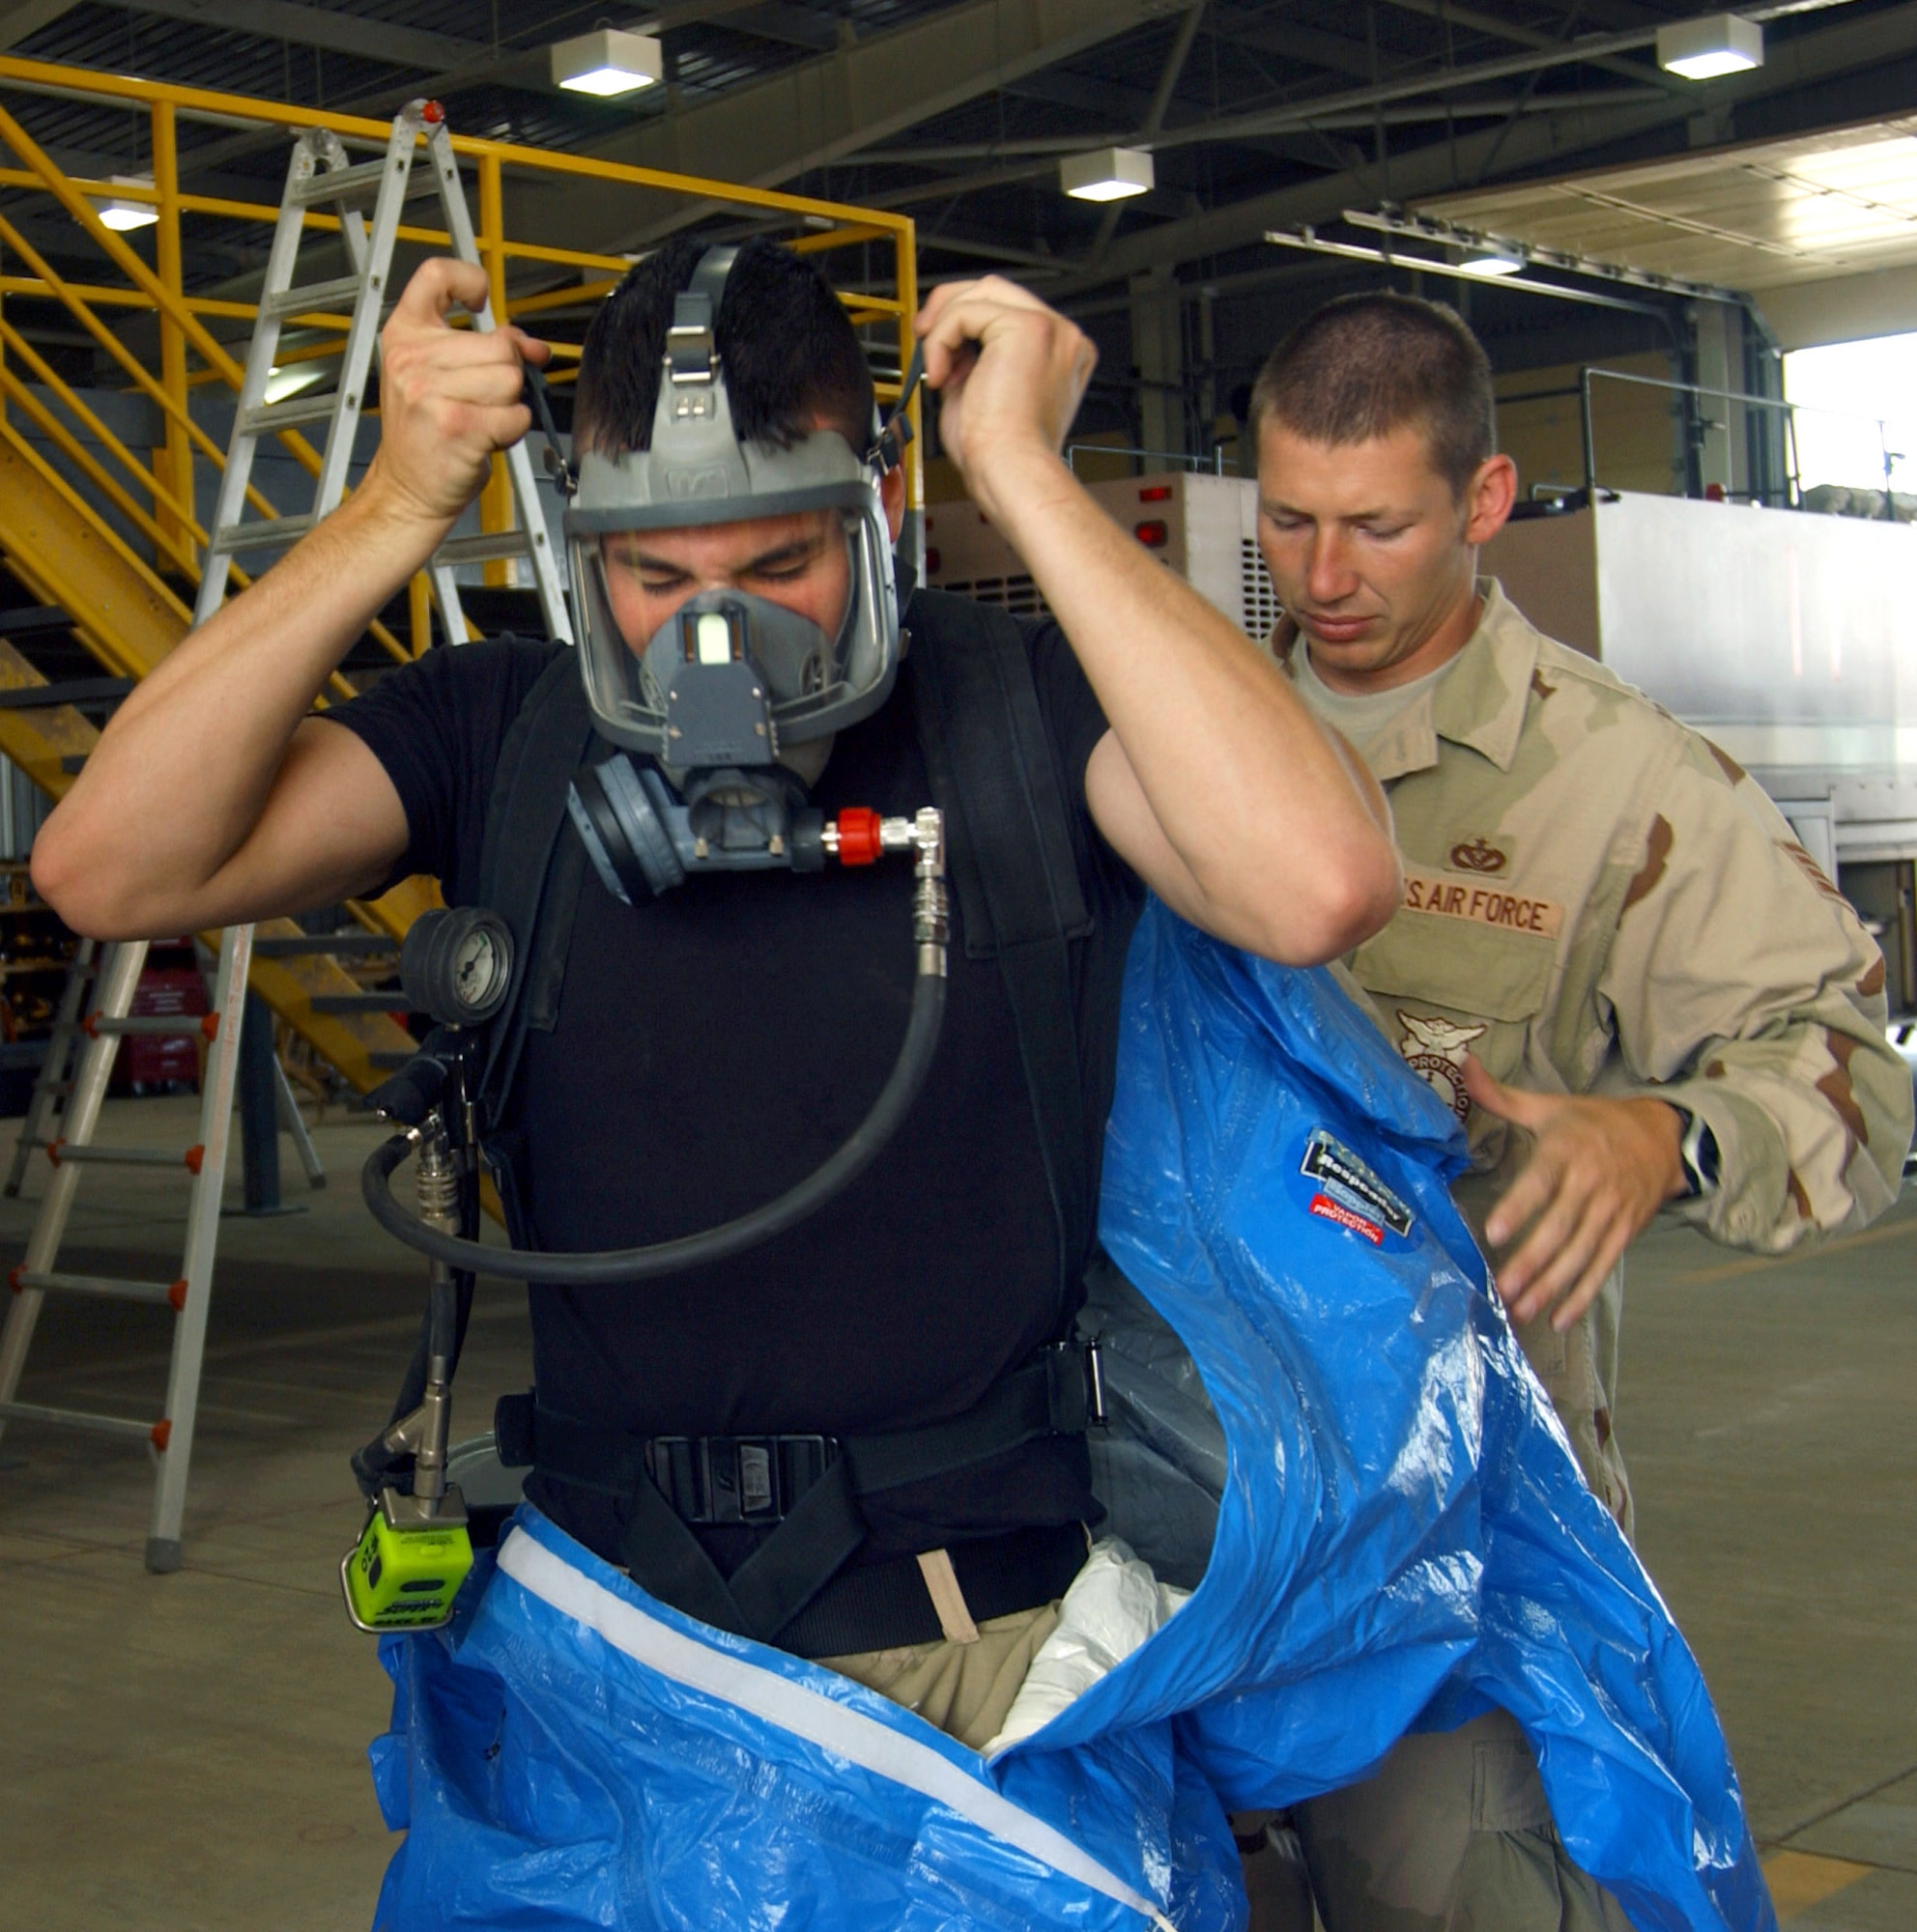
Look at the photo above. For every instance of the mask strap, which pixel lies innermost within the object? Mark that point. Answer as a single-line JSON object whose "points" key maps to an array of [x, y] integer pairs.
{"points": [[564, 478], [888, 450]]}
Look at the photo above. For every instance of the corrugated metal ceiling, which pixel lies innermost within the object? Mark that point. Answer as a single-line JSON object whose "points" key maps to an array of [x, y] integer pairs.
{"points": [[1752, 218]]}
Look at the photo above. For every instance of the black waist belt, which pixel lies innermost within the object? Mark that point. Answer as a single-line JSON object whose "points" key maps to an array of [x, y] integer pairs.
{"points": [[795, 1589]]}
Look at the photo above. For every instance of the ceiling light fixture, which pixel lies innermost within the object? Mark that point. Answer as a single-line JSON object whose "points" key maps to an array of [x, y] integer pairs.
{"points": [[1710, 47], [1106, 174], [608, 63], [121, 215], [1491, 264]]}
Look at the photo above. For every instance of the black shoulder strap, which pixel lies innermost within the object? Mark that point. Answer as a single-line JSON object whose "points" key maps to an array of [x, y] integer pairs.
{"points": [[528, 873], [1012, 866]]}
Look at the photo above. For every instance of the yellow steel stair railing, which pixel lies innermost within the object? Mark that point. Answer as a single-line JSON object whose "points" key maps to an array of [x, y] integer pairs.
{"points": [[115, 540]]}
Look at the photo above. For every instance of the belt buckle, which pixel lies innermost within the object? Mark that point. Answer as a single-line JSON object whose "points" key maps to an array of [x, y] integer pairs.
{"points": [[741, 1482], [737, 1479]]}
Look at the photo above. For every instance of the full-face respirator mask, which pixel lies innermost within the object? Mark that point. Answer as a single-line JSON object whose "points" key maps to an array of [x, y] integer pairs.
{"points": [[713, 710]]}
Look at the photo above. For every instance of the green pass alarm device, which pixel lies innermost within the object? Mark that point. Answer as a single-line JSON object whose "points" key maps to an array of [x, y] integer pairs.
{"points": [[402, 1576]]}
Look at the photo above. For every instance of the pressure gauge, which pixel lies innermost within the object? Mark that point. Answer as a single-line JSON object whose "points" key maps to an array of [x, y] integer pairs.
{"points": [[456, 965]]}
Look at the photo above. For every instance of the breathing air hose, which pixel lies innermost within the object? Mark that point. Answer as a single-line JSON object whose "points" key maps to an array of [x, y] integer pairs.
{"points": [[924, 836]]}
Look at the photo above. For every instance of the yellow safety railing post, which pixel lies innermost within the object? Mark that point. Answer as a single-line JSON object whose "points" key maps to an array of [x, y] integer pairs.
{"points": [[906, 275], [419, 608], [176, 468], [495, 501]]}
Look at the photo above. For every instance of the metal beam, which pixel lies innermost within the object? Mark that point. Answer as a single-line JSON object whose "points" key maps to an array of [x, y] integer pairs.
{"points": [[337, 32], [1414, 114], [1333, 52], [1490, 25], [818, 111]]}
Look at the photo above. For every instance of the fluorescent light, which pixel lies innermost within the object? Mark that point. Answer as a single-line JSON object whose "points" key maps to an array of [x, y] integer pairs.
{"points": [[284, 384], [1106, 174], [123, 215], [1707, 48], [608, 63], [1491, 263]]}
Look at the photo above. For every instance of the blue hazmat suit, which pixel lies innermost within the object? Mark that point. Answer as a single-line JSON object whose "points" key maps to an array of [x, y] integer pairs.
{"points": [[1392, 1531]]}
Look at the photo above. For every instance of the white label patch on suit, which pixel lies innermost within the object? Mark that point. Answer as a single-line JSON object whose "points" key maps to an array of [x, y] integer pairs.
{"points": [[1433, 1049], [1483, 904], [1349, 1192]]}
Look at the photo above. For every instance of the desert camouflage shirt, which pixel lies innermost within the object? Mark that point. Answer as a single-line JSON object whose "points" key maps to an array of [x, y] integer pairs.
{"points": [[1597, 900]]}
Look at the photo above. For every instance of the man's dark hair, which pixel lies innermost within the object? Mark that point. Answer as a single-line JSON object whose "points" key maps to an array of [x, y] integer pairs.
{"points": [[1366, 365], [791, 356]]}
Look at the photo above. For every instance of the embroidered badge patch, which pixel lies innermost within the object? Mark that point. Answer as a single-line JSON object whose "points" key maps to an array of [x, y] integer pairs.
{"points": [[1433, 1049], [1349, 1192], [1479, 856]]}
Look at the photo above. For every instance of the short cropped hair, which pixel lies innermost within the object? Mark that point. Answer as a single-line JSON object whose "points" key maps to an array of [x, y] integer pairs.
{"points": [[791, 356], [1364, 365]]}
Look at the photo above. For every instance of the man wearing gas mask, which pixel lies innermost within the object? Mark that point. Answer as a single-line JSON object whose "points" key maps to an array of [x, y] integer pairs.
{"points": [[701, 1017]]}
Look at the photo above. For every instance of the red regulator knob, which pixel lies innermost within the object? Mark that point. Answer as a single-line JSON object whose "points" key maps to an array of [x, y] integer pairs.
{"points": [[859, 842]]}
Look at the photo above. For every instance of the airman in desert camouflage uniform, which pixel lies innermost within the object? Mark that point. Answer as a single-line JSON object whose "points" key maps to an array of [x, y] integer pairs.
{"points": [[1613, 961], [1598, 900]]}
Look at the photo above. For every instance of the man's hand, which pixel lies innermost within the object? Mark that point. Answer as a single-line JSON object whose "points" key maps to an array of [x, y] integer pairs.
{"points": [[1598, 1171], [448, 397], [1010, 373]]}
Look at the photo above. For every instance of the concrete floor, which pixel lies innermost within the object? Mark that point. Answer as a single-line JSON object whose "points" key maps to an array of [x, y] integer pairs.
{"points": [[186, 1753]]}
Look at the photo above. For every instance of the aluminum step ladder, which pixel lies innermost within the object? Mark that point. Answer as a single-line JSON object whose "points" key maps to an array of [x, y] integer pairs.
{"points": [[53, 1084], [169, 1439], [321, 176]]}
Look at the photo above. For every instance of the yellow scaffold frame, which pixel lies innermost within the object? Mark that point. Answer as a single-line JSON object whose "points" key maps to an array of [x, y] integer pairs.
{"points": [[112, 538], [157, 500]]}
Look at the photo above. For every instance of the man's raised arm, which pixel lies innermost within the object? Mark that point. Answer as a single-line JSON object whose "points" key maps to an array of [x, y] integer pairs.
{"points": [[214, 795], [1214, 782]]}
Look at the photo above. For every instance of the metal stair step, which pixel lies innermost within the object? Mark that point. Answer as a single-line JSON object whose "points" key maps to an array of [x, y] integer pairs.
{"points": [[257, 533], [495, 547], [155, 1433], [289, 414], [58, 1152], [338, 185], [166, 1294], [343, 292], [155, 1025]]}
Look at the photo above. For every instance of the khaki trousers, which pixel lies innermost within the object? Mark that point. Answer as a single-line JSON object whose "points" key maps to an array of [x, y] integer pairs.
{"points": [[964, 1688], [1453, 1833]]}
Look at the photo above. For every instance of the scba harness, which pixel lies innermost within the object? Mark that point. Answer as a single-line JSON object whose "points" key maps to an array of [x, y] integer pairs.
{"points": [[1020, 905]]}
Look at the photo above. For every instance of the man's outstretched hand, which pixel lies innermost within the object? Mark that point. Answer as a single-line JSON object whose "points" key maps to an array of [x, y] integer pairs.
{"points": [[1599, 1170]]}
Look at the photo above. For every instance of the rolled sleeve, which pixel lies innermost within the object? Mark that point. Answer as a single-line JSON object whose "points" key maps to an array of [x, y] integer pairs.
{"points": [[1745, 989]]}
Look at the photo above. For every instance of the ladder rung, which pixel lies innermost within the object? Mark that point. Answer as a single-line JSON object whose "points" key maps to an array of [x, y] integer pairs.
{"points": [[341, 293], [157, 1026], [295, 410], [168, 1294], [112, 1156], [291, 946], [394, 1001], [337, 183], [155, 1433], [495, 547], [257, 533]]}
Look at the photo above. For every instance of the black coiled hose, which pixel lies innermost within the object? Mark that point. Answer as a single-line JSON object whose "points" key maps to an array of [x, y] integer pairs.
{"points": [[730, 1237]]}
